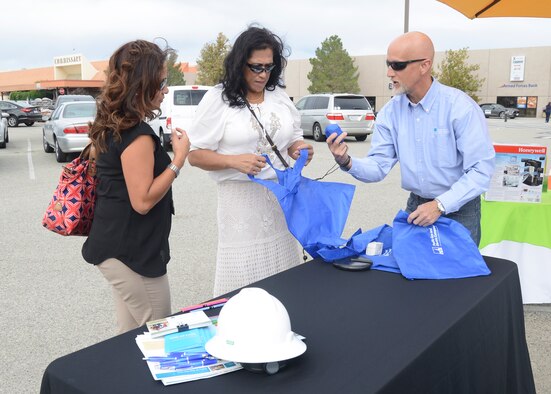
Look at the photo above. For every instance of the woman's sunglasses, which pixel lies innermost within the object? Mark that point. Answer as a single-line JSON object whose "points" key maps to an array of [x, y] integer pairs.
{"points": [[399, 66], [259, 68], [163, 83]]}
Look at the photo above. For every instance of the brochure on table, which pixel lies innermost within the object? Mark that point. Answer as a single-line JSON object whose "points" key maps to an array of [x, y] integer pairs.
{"points": [[174, 348], [520, 173]]}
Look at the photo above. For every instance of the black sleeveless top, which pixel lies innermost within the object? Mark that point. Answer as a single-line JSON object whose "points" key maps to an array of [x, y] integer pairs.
{"points": [[139, 241]]}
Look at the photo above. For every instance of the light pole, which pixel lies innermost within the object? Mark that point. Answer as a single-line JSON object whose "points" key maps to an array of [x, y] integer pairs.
{"points": [[406, 16]]}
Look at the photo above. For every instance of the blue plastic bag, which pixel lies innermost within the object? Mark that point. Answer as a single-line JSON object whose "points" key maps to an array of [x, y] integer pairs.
{"points": [[315, 211], [444, 250]]}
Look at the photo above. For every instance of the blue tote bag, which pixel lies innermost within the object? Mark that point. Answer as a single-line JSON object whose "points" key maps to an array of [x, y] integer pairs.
{"points": [[357, 245], [315, 211], [444, 250]]}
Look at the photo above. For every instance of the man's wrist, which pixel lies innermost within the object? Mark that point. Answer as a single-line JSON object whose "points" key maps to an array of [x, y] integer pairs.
{"points": [[344, 165]]}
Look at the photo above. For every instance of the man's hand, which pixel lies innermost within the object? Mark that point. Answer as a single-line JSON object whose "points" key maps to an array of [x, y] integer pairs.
{"points": [[338, 147], [425, 214]]}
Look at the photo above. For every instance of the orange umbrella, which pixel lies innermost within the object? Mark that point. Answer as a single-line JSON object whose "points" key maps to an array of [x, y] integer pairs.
{"points": [[501, 8]]}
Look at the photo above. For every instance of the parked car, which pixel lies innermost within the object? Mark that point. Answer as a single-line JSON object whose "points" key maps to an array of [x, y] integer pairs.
{"points": [[498, 110], [4, 137], [66, 131], [177, 109], [351, 112], [72, 97], [20, 113]]}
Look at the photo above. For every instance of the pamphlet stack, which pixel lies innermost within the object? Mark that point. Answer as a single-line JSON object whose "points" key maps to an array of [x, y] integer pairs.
{"points": [[174, 347]]}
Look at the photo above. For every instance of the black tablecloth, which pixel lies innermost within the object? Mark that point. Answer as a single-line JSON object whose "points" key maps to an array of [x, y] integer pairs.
{"points": [[366, 332]]}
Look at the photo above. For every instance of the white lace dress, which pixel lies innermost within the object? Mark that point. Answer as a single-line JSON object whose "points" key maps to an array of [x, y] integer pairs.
{"points": [[253, 239]]}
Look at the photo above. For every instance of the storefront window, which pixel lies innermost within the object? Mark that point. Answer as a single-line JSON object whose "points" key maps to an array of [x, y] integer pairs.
{"points": [[526, 105]]}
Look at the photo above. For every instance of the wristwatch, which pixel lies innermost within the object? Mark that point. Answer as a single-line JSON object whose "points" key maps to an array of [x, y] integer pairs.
{"points": [[344, 166], [440, 206]]}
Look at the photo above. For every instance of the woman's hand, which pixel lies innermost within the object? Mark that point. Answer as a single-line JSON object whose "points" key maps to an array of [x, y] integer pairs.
{"points": [[180, 146], [248, 163], [294, 150]]}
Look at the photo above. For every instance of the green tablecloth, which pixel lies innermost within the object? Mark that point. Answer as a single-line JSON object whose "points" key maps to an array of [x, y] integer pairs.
{"points": [[517, 221]]}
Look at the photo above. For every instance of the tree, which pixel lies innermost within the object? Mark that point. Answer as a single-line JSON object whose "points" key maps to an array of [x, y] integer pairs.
{"points": [[333, 69], [175, 75], [210, 65], [455, 71]]}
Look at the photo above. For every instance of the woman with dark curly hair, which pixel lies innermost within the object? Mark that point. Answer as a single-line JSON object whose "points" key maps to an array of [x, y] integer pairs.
{"points": [[232, 129], [128, 241]]}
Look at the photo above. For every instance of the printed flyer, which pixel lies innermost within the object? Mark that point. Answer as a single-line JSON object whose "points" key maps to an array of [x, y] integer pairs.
{"points": [[519, 175]]}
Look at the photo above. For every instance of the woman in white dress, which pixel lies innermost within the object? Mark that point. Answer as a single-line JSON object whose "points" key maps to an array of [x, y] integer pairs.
{"points": [[228, 140]]}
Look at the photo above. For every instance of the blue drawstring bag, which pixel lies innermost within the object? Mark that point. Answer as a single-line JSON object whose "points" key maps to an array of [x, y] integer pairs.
{"points": [[357, 245], [315, 211], [444, 250]]}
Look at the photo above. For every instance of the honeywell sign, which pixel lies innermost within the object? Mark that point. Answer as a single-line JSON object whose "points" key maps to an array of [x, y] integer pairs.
{"points": [[540, 151], [520, 149]]}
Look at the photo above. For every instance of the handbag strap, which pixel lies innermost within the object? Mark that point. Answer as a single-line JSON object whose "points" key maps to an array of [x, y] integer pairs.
{"points": [[268, 138], [89, 154]]}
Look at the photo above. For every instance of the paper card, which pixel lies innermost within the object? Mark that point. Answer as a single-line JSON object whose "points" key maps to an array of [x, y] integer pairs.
{"points": [[177, 323]]}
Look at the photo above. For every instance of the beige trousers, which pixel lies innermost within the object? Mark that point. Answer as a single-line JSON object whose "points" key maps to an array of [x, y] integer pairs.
{"points": [[138, 299]]}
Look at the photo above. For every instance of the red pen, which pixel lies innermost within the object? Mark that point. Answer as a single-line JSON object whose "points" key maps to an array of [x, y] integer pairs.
{"points": [[205, 305]]}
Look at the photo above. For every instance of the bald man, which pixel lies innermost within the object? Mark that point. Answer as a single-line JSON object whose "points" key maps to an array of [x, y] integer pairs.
{"points": [[439, 135]]}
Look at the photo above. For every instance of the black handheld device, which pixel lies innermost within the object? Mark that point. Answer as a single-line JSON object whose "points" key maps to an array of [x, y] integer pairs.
{"points": [[353, 264]]}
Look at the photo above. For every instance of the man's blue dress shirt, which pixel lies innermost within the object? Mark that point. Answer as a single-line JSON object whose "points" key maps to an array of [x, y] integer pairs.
{"points": [[442, 144]]}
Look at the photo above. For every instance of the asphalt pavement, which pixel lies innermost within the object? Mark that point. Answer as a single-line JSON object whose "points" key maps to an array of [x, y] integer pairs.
{"points": [[53, 303]]}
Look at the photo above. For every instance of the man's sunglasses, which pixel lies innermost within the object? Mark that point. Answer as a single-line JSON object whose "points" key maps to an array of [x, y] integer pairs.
{"points": [[163, 83], [259, 68], [399, 66]]}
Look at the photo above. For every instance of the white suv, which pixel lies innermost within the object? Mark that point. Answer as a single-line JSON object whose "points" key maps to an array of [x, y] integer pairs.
{"points": [[351, 112], [177, 109]]}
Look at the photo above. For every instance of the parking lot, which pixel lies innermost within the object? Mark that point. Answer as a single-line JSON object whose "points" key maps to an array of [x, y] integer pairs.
{"points": [[54, 303]]}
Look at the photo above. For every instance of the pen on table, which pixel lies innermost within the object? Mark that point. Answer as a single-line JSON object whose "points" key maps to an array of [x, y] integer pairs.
{"points": [[178, 355], [193, 364], [206, 308], [185, 354], [175, 359], [204, 305], [170, 364]]}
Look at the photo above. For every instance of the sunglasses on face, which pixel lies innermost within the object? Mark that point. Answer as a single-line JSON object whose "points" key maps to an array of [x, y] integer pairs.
{"points": [[163, 83], [259, 68], [399, 66]]}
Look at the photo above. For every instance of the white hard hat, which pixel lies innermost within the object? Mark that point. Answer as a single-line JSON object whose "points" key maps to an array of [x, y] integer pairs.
{"points": [[254, 327]]}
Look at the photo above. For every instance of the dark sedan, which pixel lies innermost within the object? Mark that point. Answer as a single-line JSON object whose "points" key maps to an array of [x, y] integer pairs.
{"points": [[498, 110], [20, 113]]}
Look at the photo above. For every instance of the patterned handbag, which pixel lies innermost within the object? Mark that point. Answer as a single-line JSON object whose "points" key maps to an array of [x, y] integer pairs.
{"points": [[71, 209]]}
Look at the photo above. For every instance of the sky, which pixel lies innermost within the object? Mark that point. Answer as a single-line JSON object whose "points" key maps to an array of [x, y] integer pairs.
{"points": [[40, 31]]}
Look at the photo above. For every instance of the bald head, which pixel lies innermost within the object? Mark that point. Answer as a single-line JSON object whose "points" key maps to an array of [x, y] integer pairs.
{"points": [[412, 45], [413, 75]]}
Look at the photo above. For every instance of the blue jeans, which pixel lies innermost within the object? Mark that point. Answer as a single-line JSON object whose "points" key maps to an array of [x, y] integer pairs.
{"points": [[468, 215]]}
